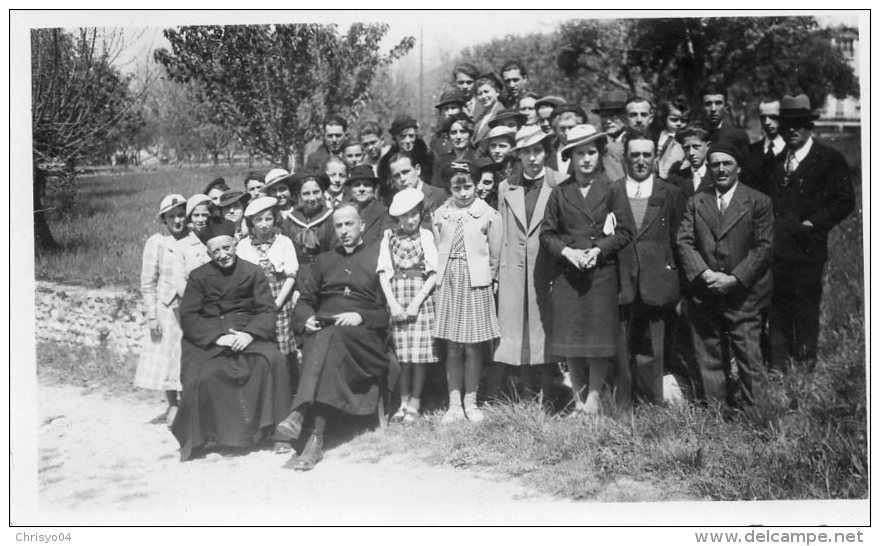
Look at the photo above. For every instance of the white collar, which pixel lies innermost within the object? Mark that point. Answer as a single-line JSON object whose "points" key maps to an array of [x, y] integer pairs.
{"points": [[726, 197], [540, 174], [646, 186], [802, 152], [701, 171], [778, 144]]}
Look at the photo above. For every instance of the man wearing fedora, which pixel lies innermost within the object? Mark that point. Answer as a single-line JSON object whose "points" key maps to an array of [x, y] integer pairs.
{"points": [[649, 281], [612, 114], [812, 192], [335, 129], [725, 246]]}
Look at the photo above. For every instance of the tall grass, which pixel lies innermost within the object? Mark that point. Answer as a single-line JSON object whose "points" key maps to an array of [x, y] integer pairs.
{"points": [[101, 234]]}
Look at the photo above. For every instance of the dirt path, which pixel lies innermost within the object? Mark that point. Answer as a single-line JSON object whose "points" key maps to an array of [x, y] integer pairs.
{"points": [[102, 461]]}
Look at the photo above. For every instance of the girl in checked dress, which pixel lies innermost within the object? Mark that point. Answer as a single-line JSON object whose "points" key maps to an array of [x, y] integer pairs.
{"points": [[468, 234], [162, 273], [407, 272]]}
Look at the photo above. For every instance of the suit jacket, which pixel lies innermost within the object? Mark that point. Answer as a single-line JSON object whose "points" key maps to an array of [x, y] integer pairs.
{"points": [[376, 221], [739, 243], [759, 167], [648, 265], [682, 177], [819, 190], [315, 161]]}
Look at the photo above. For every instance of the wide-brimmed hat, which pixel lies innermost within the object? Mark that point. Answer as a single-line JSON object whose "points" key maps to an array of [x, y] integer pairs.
{"points": [[451, 97], [219, 183], [260, 204], [405, 200], [196, 200], [568, 107], [615, 101], [549, 100], [506, 114], [362, 172], [462, 166], [500, 131], [299, 178], [580, 135], [796, 108], [233, 196], [402, 123], [529, 135], [169, 202], [276, 176]]}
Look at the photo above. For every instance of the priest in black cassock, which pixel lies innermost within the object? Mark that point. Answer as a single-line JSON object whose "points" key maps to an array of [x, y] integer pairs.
{"points": [[343, 318], [236, 387]]}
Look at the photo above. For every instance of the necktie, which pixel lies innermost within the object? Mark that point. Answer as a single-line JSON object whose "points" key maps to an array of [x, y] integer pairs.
{"points": [[638, 191], [791, 164], [770, 153], [722, 206]]}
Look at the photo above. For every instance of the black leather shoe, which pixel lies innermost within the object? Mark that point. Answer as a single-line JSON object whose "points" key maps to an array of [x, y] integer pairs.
{"points": [[290, 428], [311, 455]]}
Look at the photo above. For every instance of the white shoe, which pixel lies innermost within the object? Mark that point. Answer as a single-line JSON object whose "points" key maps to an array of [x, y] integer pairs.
{"points": [[474, 414], [452, 415], [591, 406]]}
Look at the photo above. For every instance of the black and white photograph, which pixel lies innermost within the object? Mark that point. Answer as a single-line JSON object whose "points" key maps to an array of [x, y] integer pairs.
{"points": [[491, 267]]}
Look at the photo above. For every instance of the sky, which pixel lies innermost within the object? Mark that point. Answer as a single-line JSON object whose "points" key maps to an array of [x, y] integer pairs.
{"points": [[443, 31]]}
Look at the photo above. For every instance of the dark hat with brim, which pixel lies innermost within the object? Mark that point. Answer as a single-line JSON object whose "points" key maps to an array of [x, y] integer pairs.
{"points": [[403, 122], [611, 103], [549, 100], [216, 183], [451, 97], [233, 196], [506, 114], [298, 179], [486, 165], [464, 166], [796, 108], [363, 172], [459, 117], [568, 107], [726, 147]]}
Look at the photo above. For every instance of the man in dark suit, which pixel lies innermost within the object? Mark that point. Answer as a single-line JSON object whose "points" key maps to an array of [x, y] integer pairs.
{"points": [[649, 284], [713, 98], [765, 154], [335, 130], [725, 245], [691, 175], [612, 111], [811, 192], [405, 174]]}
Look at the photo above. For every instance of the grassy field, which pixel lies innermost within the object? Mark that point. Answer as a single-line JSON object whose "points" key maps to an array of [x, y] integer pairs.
{"points": [[101, 234], [806, 439]]}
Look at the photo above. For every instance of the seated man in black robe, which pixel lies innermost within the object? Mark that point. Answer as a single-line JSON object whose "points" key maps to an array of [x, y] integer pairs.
{"points": [[236, 387], [343, 318]]}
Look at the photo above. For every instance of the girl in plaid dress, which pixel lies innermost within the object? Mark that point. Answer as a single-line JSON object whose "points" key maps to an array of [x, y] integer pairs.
{"points": [[407, 271], [162, 273], [468, 234], [275, 254]]}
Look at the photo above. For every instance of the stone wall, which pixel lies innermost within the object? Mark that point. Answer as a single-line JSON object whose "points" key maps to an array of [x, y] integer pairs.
{"points": [[92, 317]]}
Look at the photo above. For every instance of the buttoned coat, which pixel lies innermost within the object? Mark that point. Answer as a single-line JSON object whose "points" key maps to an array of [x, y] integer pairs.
{"points": [[648, 265], [584, 304], [482, 241], [819, 190], [739, 243], [682, 177], [523, 279]]}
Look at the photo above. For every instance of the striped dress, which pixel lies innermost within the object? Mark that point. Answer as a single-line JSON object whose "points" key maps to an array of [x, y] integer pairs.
{"points": [[162, 272], [413, 340], [465, 314]]}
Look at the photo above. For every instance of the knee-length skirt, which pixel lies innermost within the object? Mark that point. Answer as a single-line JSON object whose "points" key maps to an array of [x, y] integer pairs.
{"points": [[414, 340], [585, 314], [465, 314], [158, 366]]}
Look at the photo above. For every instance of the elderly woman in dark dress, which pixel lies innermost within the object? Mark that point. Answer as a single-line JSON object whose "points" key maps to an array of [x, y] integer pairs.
{"points": [[363, 185], [587, 221]]}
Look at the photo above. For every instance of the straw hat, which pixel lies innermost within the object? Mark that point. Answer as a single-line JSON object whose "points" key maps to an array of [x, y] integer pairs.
{"points": [[529, 135], [580, 135], [196, 200], [259, 204], [405, 200], [171, 202]]}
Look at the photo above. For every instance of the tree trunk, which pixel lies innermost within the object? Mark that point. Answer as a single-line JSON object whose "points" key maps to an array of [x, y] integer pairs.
{"points": [[43, 239], [216, 156]]}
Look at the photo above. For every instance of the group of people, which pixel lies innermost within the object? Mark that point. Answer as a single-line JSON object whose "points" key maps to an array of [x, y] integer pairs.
{"points": [[519, 236]]}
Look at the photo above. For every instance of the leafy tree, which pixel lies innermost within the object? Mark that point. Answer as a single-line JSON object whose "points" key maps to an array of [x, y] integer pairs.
{"points": [[79, 101], [274, 84]]}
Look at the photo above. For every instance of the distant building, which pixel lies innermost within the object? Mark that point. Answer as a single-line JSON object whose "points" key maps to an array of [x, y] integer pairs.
{"points": [[843, 114]]}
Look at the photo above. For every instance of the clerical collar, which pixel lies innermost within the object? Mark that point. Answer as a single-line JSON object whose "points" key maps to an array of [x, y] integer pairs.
{"points": [[533, 178]]}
